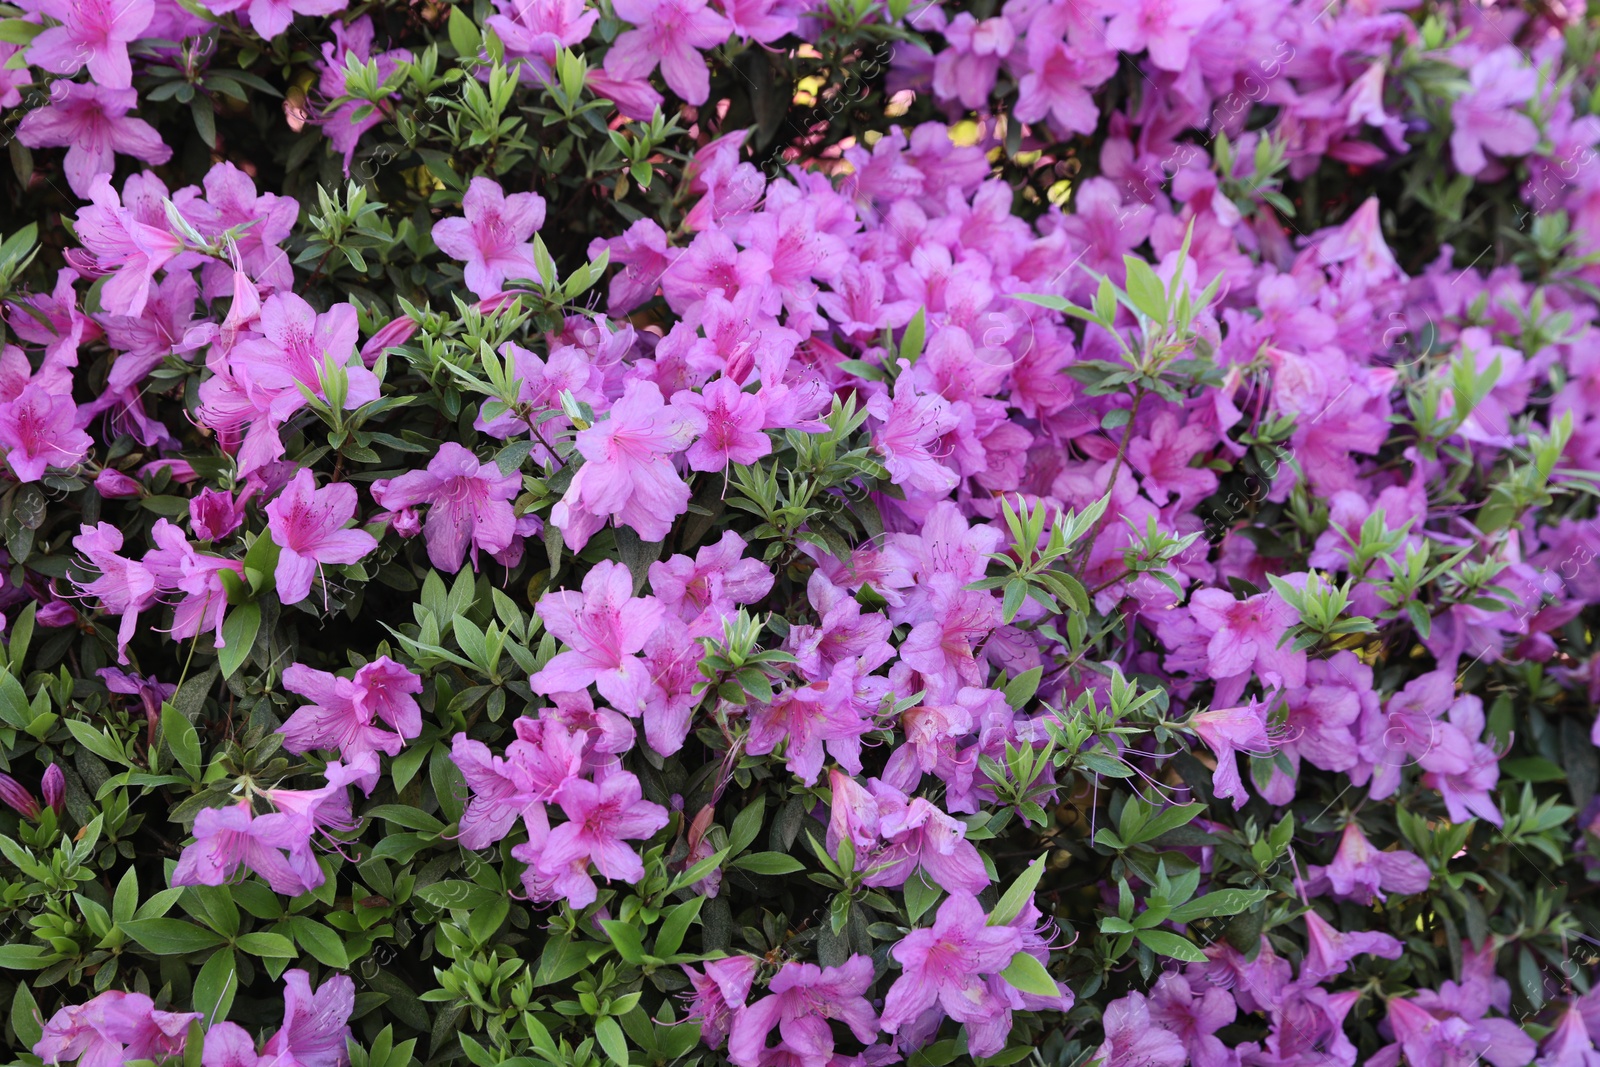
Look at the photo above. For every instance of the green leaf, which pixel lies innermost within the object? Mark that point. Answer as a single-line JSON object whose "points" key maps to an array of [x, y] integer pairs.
{"points": [[747, 825], [182, 739], [25, 1017], [1222, 902], [912, 340], [216, 984], [453, 893], [1017, 896], [609, 1034], [1021, 689], [676, 926], [1170, 944], [768, 863], [25, 958], [319, 940], [1028, 974], [171, 937], [921, 894], [239, 637], [96, 742], [625, 939], [1145, 290], [269, 945]]}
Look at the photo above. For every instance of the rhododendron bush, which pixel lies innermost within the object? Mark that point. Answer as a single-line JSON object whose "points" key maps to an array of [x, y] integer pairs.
{"points": [[799, 533]]}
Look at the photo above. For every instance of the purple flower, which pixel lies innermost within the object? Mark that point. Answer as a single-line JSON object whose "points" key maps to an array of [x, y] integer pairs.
{"points": [[17, 797], [124, 587], [469, 505], [54, 787], [601, 819], [314, 1031], [1133, 1040], [96, 34], [605, 626], [37, 432], [229, 838], [112, 1029], [1329, 951], [92, 123], [308, 525], [719, 994], [1485, 116], [1360, 872], [493, 238], [943, 971], [804, 997], [669, 33]]}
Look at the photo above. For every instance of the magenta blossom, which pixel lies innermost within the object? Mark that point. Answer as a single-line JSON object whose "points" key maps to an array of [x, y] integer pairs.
{"points": [[944, 968], [804, 997], [1226, 731], [605, 627], [344, 713], [315, 1028], [1361, 873], [493, 238], [601, 818], [112, 1029], [96, 34], [307, 524], [469, 504], [271, 17], [92, 123], [671, 34], [719, 994], [37, 433], [628, 474], [231, 838]]}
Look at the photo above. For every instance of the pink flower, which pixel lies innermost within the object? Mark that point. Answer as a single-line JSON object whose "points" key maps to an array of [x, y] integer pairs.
{"points": [[628, 475], [271, 17], [669, 33], [945, 967], [1132, 1040], [307, 524], [1246, 636], [1360, 872], [1225, 731], [944, 647], [125, 587], [122, 244], [502, 790], [176, 566], [717, 580], [92, 123], [1061, 87], [214, 514], [1164, 28], [719, 994], [296, 349], [605, 627], [1485, 116], [895, 836], [229, 838], [910, 425], [469, 505], [733, 427], [804, 998], [343, 711], [810, 718], [601, 819], [1162, 460], [112, 1029], [315, 1028], [96, 34], [494, 237], [37, 432]]}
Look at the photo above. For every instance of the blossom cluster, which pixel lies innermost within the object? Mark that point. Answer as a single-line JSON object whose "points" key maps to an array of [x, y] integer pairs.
{"points": [[1058, 545]]}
